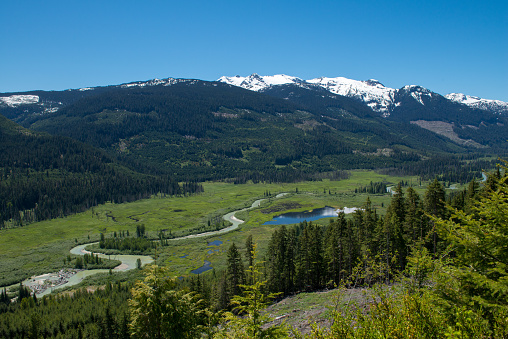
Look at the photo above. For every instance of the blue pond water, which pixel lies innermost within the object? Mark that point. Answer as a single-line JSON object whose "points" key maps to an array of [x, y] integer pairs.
{"points": [[297, 217], [206, 266], [215, 243]]}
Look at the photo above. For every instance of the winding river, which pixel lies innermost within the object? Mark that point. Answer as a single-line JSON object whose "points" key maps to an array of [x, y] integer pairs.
{"points": [[47, 283], [231, 218]]}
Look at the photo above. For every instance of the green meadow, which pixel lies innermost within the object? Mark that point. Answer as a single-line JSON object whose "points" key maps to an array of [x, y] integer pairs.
{"points": [[41, 247]]}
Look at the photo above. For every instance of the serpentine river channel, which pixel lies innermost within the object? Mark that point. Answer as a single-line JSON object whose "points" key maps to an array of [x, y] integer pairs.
{"points": [[46, 283]]}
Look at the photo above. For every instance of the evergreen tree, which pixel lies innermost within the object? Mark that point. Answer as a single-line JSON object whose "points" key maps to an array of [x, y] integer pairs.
{"points": [[24, 292], [4, 298], [334, 248], [471, 196], [235, 273], [478, 277], [248, 254], [123, 329], [159, 310], [281, 261], [369, 220], [414, 226], [249, 305], [310, 258], [434, 199], [434, 204]]}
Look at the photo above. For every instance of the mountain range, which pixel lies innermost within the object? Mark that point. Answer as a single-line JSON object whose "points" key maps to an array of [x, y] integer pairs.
{"points": [[371, 92], [466, 120]]}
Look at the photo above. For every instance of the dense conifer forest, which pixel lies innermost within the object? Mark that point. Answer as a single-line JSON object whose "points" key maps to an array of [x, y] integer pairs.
{"points": [[44, 177]]}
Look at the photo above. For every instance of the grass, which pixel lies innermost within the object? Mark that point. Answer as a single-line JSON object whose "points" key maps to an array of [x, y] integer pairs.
{"points": [[304, 309], [40, 247]]}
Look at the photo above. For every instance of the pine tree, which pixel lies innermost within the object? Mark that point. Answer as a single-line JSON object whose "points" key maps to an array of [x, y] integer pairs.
{"points": [[248, 254], [235, 273], [368, 225], [310, 258], [434, 204], [251, 324], [280, 261], [478, 277], [471, 196], [333, 248], [159, 310], [413, 224], [4, 298]]}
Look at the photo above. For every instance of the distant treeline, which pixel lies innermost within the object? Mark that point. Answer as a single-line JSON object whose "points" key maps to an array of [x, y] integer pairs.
{"points": [[460, 169], [373, 188], [174, 109]]}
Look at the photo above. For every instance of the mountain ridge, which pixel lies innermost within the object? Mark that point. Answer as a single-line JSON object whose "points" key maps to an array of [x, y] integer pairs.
{"points": [[372, 92], [324, 98]]}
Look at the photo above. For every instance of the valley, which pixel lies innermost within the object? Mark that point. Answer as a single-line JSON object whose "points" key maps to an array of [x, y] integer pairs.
{"points": [[47, 243], [191, 174]]}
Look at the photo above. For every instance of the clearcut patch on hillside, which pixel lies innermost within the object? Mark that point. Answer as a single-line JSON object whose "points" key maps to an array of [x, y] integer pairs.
{"points": [[446, 129]]}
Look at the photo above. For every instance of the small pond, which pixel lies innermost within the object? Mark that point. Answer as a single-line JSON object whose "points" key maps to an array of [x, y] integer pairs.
{"points": [[298, 217], [206, 266], [215, 243]]}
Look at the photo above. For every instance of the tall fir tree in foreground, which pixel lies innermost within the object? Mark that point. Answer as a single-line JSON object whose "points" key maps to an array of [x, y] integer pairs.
{"points": [[248, 320], [478, 275], [158, 309]]}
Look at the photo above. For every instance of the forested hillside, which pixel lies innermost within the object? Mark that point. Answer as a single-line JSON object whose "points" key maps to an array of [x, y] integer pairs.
{"points": [[196, 130], [44, 177]]}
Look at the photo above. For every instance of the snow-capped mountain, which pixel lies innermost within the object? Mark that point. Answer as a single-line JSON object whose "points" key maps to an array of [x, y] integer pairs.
{"points": [[258, 83], [371, 92], [380, 98], [44, 102], [495, 106], [417, 92]]}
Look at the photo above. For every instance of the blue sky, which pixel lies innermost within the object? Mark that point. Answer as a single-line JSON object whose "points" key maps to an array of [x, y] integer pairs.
{"points": [[446, 46]]}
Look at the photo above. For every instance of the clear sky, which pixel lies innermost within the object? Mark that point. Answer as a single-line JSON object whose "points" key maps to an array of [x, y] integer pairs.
{"points": [[446, 46]]}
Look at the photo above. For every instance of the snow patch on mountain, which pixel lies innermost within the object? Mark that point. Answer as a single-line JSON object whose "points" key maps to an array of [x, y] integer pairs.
{"points": [[50, 110], [255, 82], [17, 100], [372, 92], [496, 106], [417, 92], [156, 82]]}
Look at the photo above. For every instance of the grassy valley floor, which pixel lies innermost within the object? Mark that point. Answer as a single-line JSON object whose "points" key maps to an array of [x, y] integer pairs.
{"points": [[41, 247]]}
